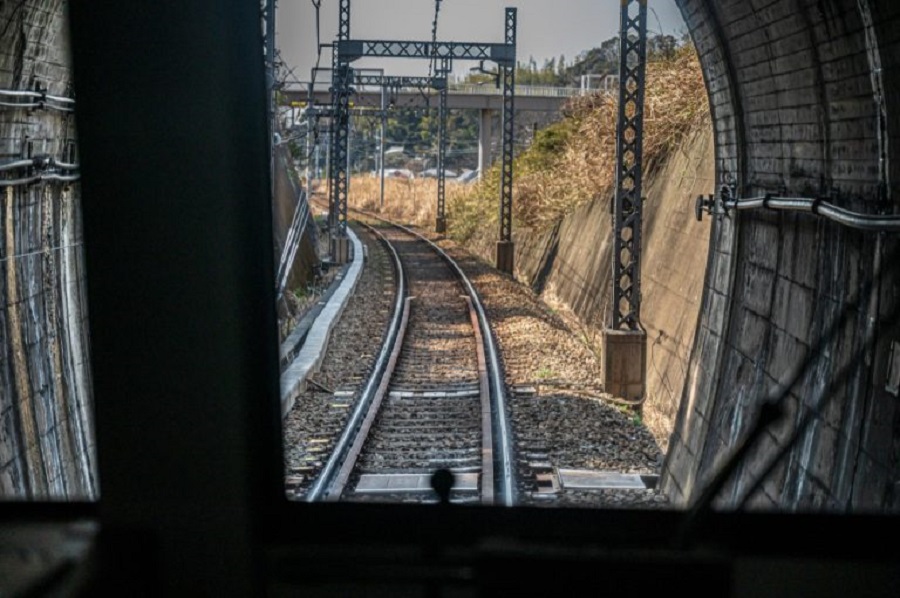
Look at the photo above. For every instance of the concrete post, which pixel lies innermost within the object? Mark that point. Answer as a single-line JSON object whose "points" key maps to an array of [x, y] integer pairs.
{"points": [[624, 361]]}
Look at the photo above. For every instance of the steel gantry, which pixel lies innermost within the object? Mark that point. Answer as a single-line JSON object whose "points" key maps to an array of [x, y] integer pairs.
{"points": [[503, 54], [499, 53], [394, 83], [624, 350]]}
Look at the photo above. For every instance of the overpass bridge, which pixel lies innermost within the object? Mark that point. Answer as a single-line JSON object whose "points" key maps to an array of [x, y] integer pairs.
{"points": [[459, 97], [486, 99]]}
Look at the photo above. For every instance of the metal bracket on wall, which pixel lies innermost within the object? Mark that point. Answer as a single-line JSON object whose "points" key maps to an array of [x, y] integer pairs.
{"points": [[715, 205]]}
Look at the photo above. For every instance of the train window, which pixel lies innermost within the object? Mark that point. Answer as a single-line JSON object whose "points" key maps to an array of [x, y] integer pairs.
{"points": [[429, 390], [500, 391], [444, 379]]}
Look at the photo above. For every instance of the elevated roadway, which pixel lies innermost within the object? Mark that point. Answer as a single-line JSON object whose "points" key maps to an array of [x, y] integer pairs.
{"points": [[485, 98]]}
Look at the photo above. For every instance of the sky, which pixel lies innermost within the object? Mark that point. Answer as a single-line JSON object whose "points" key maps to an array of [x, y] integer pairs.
{"points": [[546, 28]]}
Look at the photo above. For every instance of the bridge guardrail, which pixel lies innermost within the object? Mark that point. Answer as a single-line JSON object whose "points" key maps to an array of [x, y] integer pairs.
{"points": [[474, 89]]}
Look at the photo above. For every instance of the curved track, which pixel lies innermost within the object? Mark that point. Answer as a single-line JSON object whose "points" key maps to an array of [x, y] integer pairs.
{"points": [[435, 398]]}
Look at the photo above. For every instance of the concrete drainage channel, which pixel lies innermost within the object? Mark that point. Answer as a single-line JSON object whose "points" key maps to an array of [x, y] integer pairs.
{"points": [[315, 338]]}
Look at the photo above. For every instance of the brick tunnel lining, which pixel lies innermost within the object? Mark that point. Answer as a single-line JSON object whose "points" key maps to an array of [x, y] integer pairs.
{"points": [[795, 107]]}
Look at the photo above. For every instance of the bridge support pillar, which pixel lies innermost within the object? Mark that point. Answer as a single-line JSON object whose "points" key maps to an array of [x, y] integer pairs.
{"points": [[485, 132], [505, 255], [624, 357]]}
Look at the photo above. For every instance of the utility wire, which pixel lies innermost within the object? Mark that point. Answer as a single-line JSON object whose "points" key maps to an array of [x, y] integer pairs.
{"points": [[38, 100]]}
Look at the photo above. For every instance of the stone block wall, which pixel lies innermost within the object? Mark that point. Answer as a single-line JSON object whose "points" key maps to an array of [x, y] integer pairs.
{"points": [[288, 196]]}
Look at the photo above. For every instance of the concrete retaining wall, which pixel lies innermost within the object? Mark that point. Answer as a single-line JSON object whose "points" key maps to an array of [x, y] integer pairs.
{"points": [[287, 197], [573, 264]]}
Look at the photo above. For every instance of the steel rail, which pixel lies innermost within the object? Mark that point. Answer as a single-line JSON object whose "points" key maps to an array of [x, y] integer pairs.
{"points": [[323, 488], [371, 405]]}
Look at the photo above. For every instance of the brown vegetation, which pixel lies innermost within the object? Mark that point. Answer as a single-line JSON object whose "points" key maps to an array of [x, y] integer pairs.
{"points": [[570, 162]]}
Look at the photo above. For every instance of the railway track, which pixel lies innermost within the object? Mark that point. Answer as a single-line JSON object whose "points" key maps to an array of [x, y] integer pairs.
{"points": [[437, 398], [434, 399]]}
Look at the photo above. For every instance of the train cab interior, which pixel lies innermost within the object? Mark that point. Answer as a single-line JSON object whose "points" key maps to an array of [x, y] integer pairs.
{"points": [[178, 227]]}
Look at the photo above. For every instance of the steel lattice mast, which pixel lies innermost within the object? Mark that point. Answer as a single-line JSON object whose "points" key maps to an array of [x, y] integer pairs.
{"points": [[503, 54], [505, 246], [441, 220], [341, 134], [624, 351], [629, 161]]}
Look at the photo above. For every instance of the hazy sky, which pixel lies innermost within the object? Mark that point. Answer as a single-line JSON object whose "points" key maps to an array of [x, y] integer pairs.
{"points": [[546, 28]]}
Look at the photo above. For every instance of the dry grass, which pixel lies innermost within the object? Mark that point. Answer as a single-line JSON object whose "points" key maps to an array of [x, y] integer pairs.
{"points": [[413, 201], [574, 161], [571, 162]]}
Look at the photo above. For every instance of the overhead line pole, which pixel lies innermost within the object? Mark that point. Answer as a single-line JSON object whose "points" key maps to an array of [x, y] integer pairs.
{"points": [[381, 144], [440, 226], [505, 247], [340, 246], [329, 160], [625, 342]]}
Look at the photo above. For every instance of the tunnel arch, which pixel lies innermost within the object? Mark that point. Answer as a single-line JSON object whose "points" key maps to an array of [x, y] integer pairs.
{"points": [[800, 95]]}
